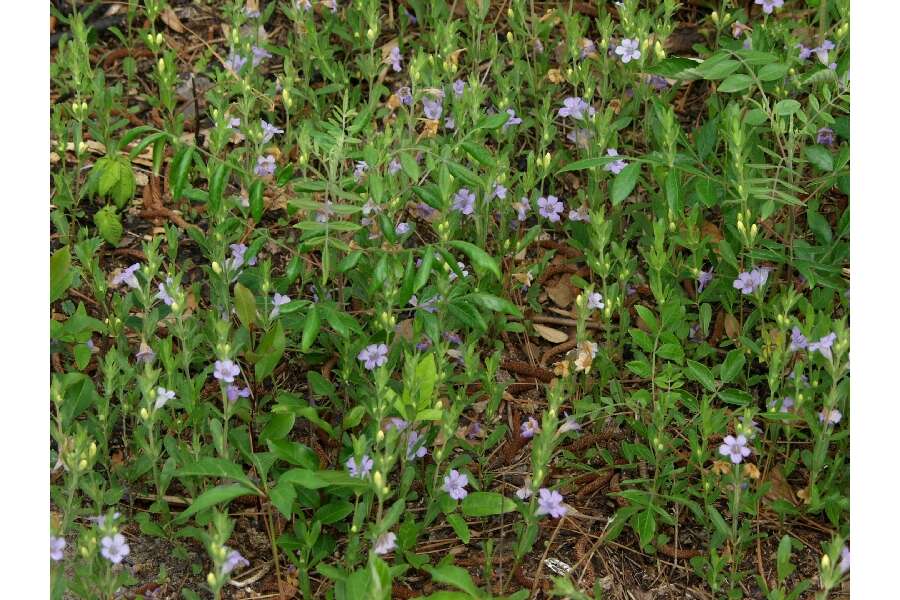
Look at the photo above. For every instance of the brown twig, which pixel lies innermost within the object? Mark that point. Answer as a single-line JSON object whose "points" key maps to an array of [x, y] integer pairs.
{"points": [[558, 349]]}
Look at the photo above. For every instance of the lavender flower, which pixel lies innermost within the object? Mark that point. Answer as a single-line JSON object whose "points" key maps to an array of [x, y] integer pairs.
{"points": [[423, 211], [805, 52], [385, 543], [234, 122], [462, 267], [752, 281], [580, 137], [394, 59], [233, 560], [798, 340], [237, 257], [823, 346], [269, 131], [580, 214], [522, 207], [550, 503], [628, 50], [114, 548], [57, 545], [844, 565], [450, 123], [373, 355], [278, 300], [162, 397], [458, 87], [455, 484], [233, 392], [259, 55], [127, 277], [822, 51], [362, 469], [394, 167], [615, 167], [303, 4], [100, 520], [464, 201], [360, 170], [595, 301], [427, 305], [225, 371], [524, 492], [658, 83], [402, 228], [234, 62], [433, 108], [770, 5], [787, 403], [325, 213], [588, 48], [415, 448], [512, 120], [576, 108], [163, 293], [703, 279], [145, 353], [405, 96], [550, 208], [453, 337], [396, 423], [499, 191], [265, 165], [825, 136], [569, 424], [833, 416], [735, 448], [529, 428]]}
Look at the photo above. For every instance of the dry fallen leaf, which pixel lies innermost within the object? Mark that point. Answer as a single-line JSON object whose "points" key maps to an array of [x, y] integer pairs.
{"points": [[711, 231], [779, 489], [561, 293], [169, 17], [732, 327], [551, 335]]}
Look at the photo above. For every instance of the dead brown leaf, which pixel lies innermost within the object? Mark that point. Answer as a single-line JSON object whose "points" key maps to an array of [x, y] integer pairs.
{"points": [[169, 17], [561, 293], [551, 335], [732, 327]]}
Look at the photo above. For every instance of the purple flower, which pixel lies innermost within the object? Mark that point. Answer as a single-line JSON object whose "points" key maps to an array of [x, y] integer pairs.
{"points": [[588, 47], [844, 565], [569, 424], [805, 52], [268, 131], [580, 137], [769, 5], [373, 355], [703, 279], [513, 119], [127, 277], [360, 170], [265, 165], [462, 267], [735, 448], [458, 87], [362, 469], [225, 371], [499, 191], [233, 560], [455, 484], [259, 54], [423, 211], [595, 301], [821, 52], [57, 545], [825, 136], [237, 257], [114, 548], [658, 82], [405, 96], [529, 428], [415, 448], [576, 108], [450, 123], [787, 403], [145, 353], [522, 207], [233, 392], [453, 337], [278, 300], [394, 167], [396, 423], [394, 59], [752, 281], [432, 107], [550, 208], [162, 397], [163, 293], [402, 228], [325, 212], [628, 50], [550, 503], [798, 340], [464, 201], [427, 305], [580, 214], [234, 62], [234, 122], [615, 167], [101, 519], [823, 346], [385, 543], [524, 492], [303, 4], [833, 416]]}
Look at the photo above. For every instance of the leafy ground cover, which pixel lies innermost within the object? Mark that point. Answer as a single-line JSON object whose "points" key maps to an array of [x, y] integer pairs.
{"points": [[450, 300]]}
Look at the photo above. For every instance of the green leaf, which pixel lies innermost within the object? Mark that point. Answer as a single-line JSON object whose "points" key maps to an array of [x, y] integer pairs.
{"points": [[245, 305], [217, 187], [715, 68], [820, 157], [480, 259], [109, 224], [786, 107], [60, 273], [732, 366], [587, 163], [256, 200], [495, 303], [735, 83], [455, 576], [315, 480], [279, 425], [493, 121], [311, 327], [214, 496], [736, 397], [772, 71], [269, 351], [179, 169], [783, 560], [218, 468], [624, 183], [645, 526], [479, 153], [282, 496], [426, 376], [333, 512], [460, 527], [294, 453], [465, 175], [485, 504], [701, 373], [718, 522]]}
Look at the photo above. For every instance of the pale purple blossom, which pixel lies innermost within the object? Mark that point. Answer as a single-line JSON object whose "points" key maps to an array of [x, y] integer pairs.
{"points": [[233, 560], [580, 214], [114, 548], [225, 371], [524, 492], [455, 484], [529, 428], [805, 52], [259, 55], [278, 300], [658, 82], [703, 279], [163, 293], [615, 167], [373, 355], [748, 283], [100, 520], [426, 305], [57, 545], [162, 397], [360, 170], [823, 346], [462, 268], [550, 503], [362, 469], [588, 47], [550, 208], [499, 191], [513, 119], [235, 62], [395, 58], [415, 446], [405, 96], [394, 167], [234, 122], [569, 424], [522, 207], [595, 301], [265, 165], [798, 340], [233, 392], [450, 123], [402, 228], [580, 136], [269, 131], [825, 136], [127, 277], [432, 108], [464, 201], [576, 108], [787, 403], [396, 423], [833, 416], [423, 211], [822, 51], [145, 353], [735, 448], [385, 543], [453, 337], [770, 5], [325, 212], [458, 87], [844, 565], [237, 257], [628, 50]]}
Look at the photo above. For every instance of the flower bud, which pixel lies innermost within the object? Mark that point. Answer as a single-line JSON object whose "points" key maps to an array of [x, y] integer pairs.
{"points": [[378, 479], [715, 17], [145, 414], [509, 37], [826, 562], [83, 464], [211, 579], [217, 269], [92, 450], [371, 35], [161, 65], [159, 39]]}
